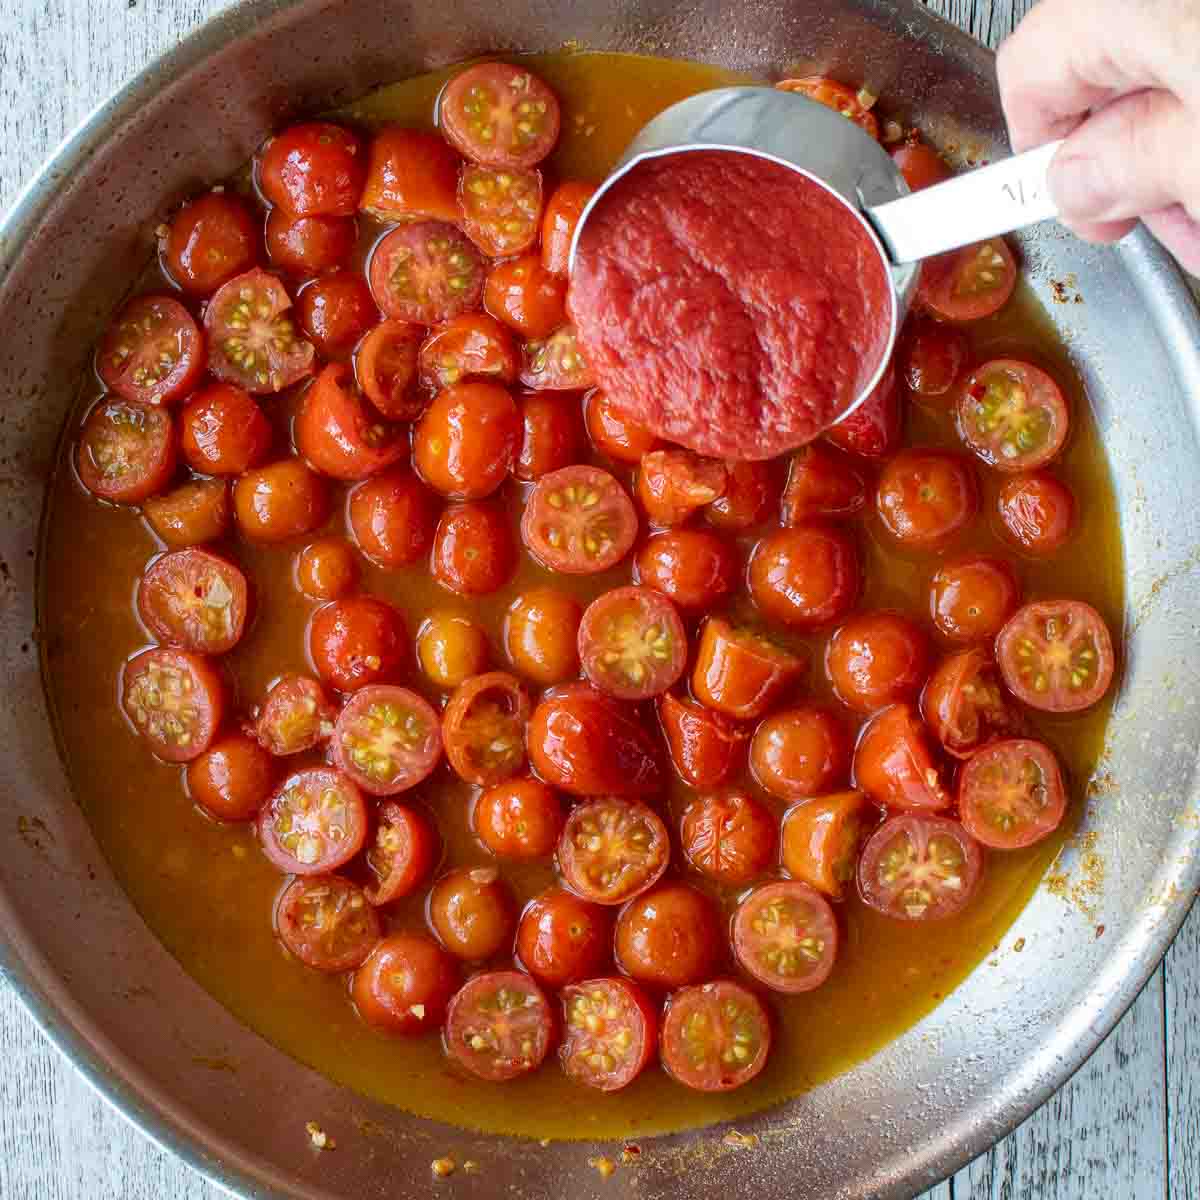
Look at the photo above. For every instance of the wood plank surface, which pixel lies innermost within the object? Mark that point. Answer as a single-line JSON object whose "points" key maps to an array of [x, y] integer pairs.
{"points": [[1127, 1127]]}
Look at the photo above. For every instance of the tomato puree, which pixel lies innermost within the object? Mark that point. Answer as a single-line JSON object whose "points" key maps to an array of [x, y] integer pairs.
{"points": [[728, 303]]}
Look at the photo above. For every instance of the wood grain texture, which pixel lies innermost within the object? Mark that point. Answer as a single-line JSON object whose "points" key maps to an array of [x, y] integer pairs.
{"points": [[1126, 1127]]}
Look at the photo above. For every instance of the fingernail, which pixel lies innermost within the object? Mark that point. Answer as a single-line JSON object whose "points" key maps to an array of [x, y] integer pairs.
{"points": [[1080, 188]]}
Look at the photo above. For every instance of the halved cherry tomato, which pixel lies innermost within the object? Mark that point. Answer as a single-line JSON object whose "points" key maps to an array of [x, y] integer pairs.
{"points": [[232, 779], [385, 367], [562, 939], [426, 272], [632, 643], [451, 648], [893, 763], [223, 431], [313, 169], [588, 744], [916, 867], [502, 208], [253, 340], [473, 550], [339, 434], [805, 576], [314, 822], [412, 175], [1012, 415], [309, 245], [357, 642], [335, 311], [610, 1031], [740, 672], [209, 241], [693, 567], [854, 106], [393, 516], [964, 704], [327, 569], [556, 363], [387, 739], [971, 283], [873, 428], [499, 114], [672, 484], [326, 922], [296, 715], [821, 838], [971, 598], [484, 728], [715, 1037], [920, 165], [1011, 794], [751, 489], [194, 599], [152, 353], [729, 837], [526, 297], [613, 433], [801, 752], [499, 1025], [705, 746], [612, 850], [520, 819], [279, 502], [175, 700], [473, 913], [875, 659], [402, 855], [668, 936], [466, 440], [578, 521], [541, 635], [405, 985], [821, 482], [195, 512], [563, 210], [127, 451], [470, 346], [925, 497], [1037, 512], [552, 435], [786, 936], [1056, 655], [932, 358]]}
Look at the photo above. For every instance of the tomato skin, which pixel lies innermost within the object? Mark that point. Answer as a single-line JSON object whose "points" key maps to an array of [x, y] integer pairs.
{"points": [[587, 744], [672, 484], [668, 936], [751, 490], [806, 957], [279, 502], [893, 763], [925, 498], [872, 430], [295, 716], [692, 567], [312, 906], [613, 433], [314, 822], [578, 521], [210, 240], [467, 439], [427, 272], [393, 517], [837, 96], [728, 837], [451, 649], [590, 864], [805, 576], [588, 1056], [313, 169], [385, 367], [562, 938], [518, 819], [127, 451], [223, 431], [411, 175], [403, 854], [705, 746], [387, 739], [632, 643], [473, 913], [1037, 513], [552, 435], [502, 208], [971, 598], [471, 346], [563, 210], [357, 642], [953, 286], [473, 550], [821, 839], [821, 482], [517, 1047], [541, 635], [1011, 794], [405, 985], [327, 569], [875, 659], [195, 512], [520, 122], [152, 352], [920, 165], [232, 779], [168, 594], [964, 705], [335, 311], [309, 245], [932, 358], [739, 673], [488, 754], [703, 1066], [526, 297], [801, 752], [153, 708]]}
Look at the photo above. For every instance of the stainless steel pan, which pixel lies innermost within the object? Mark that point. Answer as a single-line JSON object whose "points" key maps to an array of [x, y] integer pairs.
{"points": [[149, 1038]]}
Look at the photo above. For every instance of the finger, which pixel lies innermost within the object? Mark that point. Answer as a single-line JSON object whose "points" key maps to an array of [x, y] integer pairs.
{"points": [[1179, 232], [1100, 232]]}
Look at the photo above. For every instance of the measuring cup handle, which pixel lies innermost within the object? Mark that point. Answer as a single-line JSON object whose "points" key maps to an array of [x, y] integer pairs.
{"points": [[968, 208]]}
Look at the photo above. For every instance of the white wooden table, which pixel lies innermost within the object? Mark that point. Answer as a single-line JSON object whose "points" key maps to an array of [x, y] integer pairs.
{"points": [[1127, 1127]]}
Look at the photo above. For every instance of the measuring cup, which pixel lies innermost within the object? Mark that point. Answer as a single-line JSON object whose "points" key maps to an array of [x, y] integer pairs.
{"points": [[821, 144]]}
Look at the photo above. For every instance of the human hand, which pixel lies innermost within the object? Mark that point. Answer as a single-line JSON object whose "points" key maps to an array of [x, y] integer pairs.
{"points": [[1120, 80]]}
